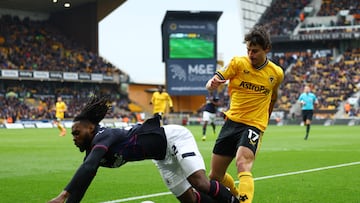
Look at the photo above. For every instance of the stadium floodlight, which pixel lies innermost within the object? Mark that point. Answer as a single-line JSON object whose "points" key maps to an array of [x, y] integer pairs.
{"points": [[67, 5]]}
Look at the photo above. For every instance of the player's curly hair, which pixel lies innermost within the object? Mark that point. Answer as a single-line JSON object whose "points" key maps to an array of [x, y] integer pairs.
{"points": [[259, 35], [94, 110]]}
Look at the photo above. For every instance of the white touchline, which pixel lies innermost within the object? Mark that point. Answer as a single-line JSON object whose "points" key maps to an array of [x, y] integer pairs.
{"points": [[139, 197], [258, 178], [307, 171]]}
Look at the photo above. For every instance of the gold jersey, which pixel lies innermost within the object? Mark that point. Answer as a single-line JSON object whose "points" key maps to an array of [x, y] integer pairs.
{"points": [[160, 102], [251, 90], [60, 108]]}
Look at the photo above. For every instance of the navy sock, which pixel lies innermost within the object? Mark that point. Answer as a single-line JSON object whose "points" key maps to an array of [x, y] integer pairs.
{"points": [[203, 198], [220, 193]]}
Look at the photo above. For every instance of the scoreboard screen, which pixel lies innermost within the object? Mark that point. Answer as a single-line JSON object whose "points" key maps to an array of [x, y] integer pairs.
{"points": [[191, 46]]}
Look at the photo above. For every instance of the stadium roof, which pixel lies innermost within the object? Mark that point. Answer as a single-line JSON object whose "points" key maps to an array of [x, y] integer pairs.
{"points": [[45, 6]]}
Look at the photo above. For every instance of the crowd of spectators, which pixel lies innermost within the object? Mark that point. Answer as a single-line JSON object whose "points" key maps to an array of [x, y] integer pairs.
{"points": [[37, 45], [283, 16], [26, 44], [339, 24], [28, 101], [333, 81], [332, 7]]}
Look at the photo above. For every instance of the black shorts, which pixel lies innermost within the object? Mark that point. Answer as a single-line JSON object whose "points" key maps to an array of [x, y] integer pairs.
{"points": [[307, 114], [233, 135]]}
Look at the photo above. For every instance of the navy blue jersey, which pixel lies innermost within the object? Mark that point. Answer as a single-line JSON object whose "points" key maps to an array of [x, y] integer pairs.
{"points": [[211, 105], [112, 147], [122, 146]]}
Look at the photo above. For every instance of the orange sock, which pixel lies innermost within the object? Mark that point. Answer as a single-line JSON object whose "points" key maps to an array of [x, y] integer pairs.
{"points": [[60, 127]]}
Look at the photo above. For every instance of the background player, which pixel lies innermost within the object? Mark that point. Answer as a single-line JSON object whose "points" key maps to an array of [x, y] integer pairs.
{"points": [[60, 109], [307, 100], [209, 114], [161, 100], [172, 147]]}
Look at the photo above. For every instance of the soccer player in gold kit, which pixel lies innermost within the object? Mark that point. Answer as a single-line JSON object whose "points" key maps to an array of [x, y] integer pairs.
{"points": [[161, 100], [60, 109], [253, 87]]}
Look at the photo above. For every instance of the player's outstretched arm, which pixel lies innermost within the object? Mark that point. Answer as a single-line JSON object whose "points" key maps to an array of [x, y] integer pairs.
{"points": [[78, 185]]}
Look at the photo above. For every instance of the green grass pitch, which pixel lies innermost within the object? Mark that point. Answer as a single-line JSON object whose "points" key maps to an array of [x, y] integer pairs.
{"points": [[36, 164], [191, 48]]}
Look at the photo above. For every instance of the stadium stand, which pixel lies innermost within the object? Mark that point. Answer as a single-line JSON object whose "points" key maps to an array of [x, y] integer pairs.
{"points": [[38, 45], [283, 16], [314, 41], [29, 47], [334, 70]]}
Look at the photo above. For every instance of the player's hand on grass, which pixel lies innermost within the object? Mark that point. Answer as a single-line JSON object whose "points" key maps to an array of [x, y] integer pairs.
{"points": [[60, 198]]}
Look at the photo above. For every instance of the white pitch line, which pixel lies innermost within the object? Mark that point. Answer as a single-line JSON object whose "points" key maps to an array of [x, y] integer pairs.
{"points": [[258, 178], [139, 197], [307, 171]]}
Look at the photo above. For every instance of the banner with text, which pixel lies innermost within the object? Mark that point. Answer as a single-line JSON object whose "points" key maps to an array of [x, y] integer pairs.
{"points": [[56, 76], [189, 77]]}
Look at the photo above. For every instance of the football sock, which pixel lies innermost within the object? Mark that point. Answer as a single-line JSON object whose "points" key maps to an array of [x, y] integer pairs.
{"points": [[202, 198], [220, 192], [246, 187], [60, 127], [229, 182], [204, 130], [307, 129], [213, 127]]}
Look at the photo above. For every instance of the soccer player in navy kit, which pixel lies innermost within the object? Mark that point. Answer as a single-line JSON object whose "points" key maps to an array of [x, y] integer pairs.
{"points": [[307, 100], [209, 114], [172, 147]]}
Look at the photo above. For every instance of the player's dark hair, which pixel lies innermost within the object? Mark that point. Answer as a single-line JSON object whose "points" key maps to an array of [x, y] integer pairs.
{"points": [[94, 110], [259, 35]]}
